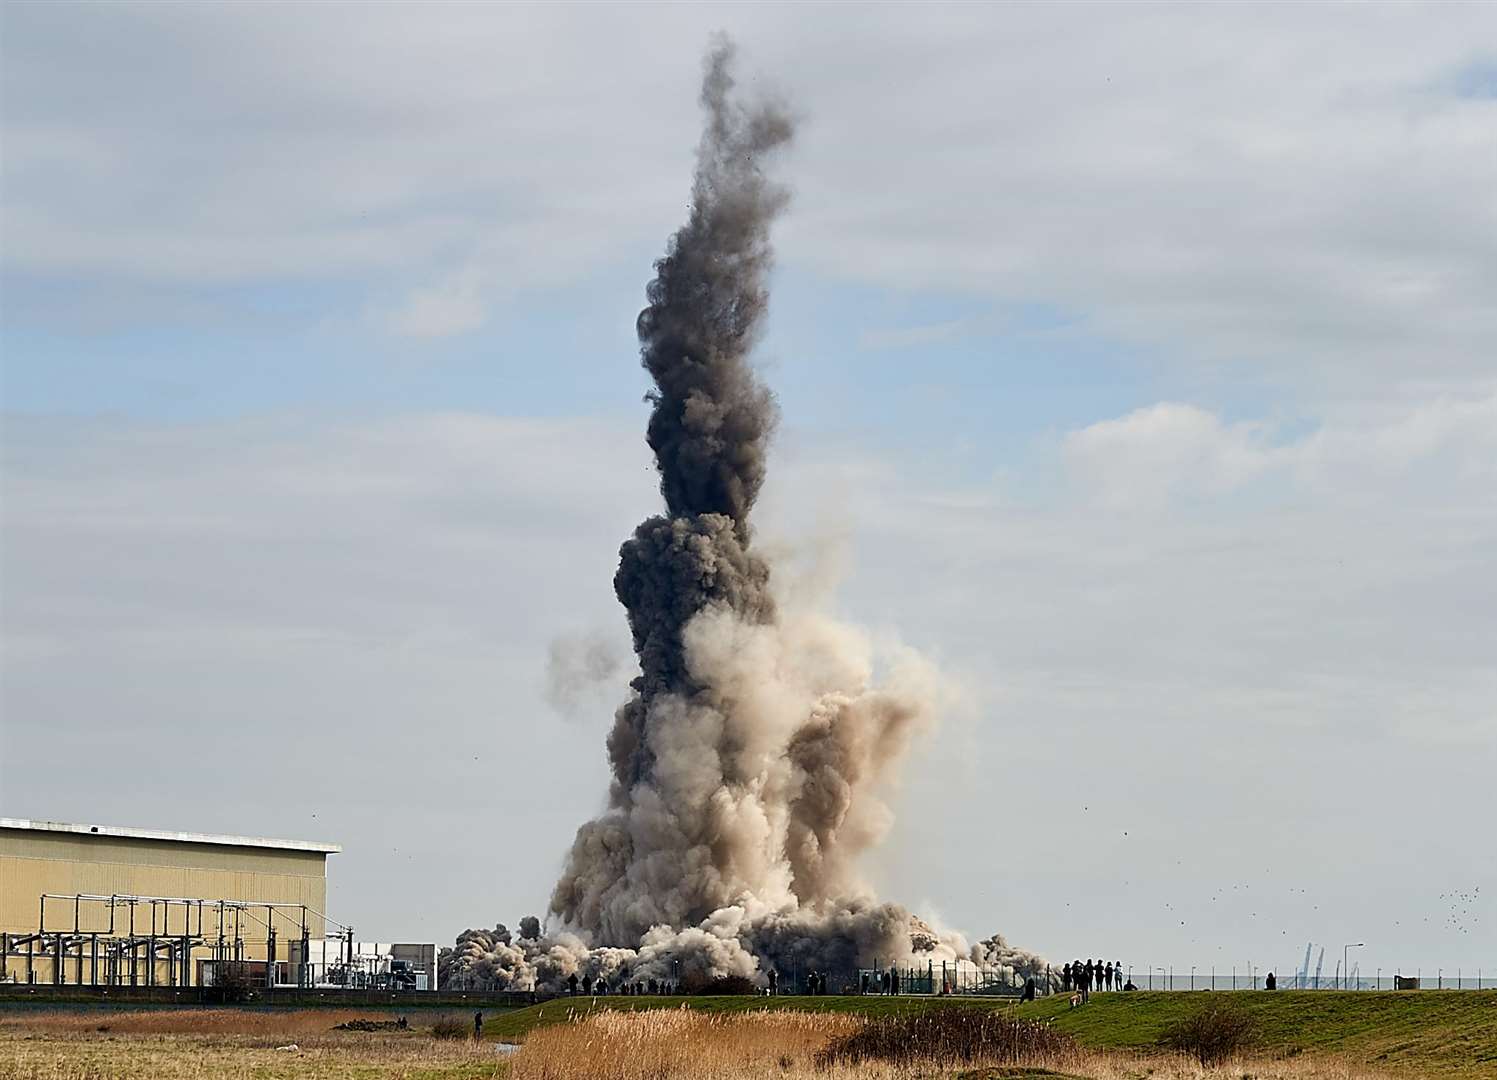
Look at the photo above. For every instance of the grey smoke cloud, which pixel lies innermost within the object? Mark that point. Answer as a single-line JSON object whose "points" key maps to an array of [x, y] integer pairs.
{"points": [[578, 666], [749, 759]]}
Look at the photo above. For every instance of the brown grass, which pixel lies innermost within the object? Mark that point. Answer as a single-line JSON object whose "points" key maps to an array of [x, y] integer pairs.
{"points": [[272, 1024], [661, 1043], [196, 1057], [1216, 1032], [953, 1035], [200, 1044], [1144, 1066], [683, 1045], [654, 1045]]}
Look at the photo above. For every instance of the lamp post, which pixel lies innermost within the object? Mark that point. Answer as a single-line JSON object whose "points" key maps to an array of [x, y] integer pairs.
{"points": [[1345, 970]]}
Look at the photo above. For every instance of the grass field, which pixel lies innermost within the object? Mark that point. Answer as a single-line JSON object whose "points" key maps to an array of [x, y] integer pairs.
{"points": [[1302, 1036], [1426, 1033], [1432, 1033], [198, 1044]]}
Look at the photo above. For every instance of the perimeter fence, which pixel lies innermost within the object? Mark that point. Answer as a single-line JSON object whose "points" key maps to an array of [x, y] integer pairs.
{"points": [[935, 978]]}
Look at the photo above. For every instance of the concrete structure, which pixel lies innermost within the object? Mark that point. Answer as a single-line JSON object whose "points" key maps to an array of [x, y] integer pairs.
{"points": [[99, 904]]}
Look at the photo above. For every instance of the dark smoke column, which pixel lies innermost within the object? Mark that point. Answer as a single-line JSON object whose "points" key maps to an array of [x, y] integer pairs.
{"points": [[665, 854], [748, 761]]}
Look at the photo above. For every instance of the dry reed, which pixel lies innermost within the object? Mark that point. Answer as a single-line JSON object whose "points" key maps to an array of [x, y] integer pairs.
{"points": [[661, 1043], [684, 1045], [1154, 1066]]}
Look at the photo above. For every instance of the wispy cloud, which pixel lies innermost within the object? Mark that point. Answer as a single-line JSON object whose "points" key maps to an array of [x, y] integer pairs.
{"points": [[910, 336]]}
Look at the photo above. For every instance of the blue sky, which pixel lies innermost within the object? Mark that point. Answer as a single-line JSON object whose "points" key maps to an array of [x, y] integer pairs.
{"points": [[1136, 365], [848, 361]]}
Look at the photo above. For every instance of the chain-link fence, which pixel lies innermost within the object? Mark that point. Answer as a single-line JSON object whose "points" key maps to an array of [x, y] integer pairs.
{"points": [[936, 978], [1253, 977]]}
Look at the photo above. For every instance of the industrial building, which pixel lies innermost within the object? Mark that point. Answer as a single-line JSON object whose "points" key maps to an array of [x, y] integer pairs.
{"points": [[100, 905]]}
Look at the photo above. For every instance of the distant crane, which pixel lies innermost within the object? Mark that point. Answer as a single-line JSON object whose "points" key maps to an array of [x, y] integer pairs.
{"points": [[1304, 969], [1319, 962]]}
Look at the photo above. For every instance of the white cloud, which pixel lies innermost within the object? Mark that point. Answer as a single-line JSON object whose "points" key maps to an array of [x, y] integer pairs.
{"points": [[376, 599], [1169, 448], [455, 306], [1300, 188], [1174, 450]]}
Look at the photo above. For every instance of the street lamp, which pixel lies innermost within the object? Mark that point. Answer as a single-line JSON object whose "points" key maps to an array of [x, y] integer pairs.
{"points": [[1345, 970]]}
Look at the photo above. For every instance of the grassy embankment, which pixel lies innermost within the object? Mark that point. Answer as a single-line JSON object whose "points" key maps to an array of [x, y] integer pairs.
{"points": [[1430, 1033]]}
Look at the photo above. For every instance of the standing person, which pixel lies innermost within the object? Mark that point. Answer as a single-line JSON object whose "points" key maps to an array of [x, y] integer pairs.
{"points": [[894, 981], [1117, 973], [1086, 980], [774, 982], [1065, 977], [1270, 983], [1029, 989], [572, 984], [1107, 976], [478, 1024], [863, 983]]}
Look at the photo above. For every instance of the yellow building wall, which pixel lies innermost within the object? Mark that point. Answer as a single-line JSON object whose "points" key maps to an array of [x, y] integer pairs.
{"points": [[37, 862]]}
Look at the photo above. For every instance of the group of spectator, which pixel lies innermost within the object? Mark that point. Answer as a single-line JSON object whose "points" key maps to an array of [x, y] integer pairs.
{"points": [[1079, 976], [600, 986], [885, 982], [1093, 975]]}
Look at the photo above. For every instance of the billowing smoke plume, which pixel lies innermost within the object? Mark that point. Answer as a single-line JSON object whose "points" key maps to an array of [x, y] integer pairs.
{"points": [[748, 758]]}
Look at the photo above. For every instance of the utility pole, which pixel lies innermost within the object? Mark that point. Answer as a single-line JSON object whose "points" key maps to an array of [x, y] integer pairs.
{"points": [[1346, 971]]}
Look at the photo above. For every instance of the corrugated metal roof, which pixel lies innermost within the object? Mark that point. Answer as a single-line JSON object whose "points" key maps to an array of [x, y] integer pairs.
{"points": [[162, 834]]}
